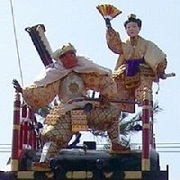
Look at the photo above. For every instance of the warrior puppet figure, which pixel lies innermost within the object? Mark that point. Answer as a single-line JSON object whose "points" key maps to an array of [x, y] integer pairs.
{"points": [[69, 78], [140, 61]]}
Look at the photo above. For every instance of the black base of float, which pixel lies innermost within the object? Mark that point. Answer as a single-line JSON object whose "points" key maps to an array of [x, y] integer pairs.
{"points": [[100, 164], [93, 165]]}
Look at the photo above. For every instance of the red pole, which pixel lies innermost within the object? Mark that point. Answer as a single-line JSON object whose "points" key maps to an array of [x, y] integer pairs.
{"points": [[15, 134], [146, 110], [152, 138], [23, 117], [34, 143], [31, 131], [35, 134], [25, 133]]}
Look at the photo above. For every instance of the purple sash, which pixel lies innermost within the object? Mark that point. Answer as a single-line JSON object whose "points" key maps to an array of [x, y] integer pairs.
{"points": [[132, 66]]}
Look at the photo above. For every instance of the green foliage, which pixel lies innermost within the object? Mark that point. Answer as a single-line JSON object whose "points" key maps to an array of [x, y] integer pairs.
{"points": [[127, 125], [43, 111]]}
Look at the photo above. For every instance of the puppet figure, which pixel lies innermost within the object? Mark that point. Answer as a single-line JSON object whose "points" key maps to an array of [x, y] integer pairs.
{"points": [[69, 78], [140, 62]]}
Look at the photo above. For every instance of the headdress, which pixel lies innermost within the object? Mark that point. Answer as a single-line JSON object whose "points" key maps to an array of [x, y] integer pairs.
{"points": [[132, 18], [63, 50]]}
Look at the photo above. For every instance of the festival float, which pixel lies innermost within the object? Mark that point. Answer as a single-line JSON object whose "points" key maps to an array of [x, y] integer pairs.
{"points": [[81, 161]]}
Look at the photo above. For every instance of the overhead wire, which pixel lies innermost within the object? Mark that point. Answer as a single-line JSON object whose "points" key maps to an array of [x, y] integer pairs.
{"points": [[16, 41], [168, 148]]}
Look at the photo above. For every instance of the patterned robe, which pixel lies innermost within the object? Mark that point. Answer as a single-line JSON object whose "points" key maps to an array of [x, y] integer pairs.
{"points": [[139, 64], [71, 86]]}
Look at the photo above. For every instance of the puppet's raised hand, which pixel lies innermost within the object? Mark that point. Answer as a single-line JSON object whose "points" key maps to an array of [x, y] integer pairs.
{"points": [[17, 86], [108, 23]]}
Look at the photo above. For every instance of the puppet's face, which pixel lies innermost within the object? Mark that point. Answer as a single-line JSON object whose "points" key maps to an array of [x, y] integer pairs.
{"points": [[69, 59], [132, 29]]}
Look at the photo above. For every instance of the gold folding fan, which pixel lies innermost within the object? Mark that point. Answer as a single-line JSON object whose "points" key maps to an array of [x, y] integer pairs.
{"points": [[108, 11]]}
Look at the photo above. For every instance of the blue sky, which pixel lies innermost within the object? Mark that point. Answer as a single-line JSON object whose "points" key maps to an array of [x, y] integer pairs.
{"points": [[80, 23]]}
